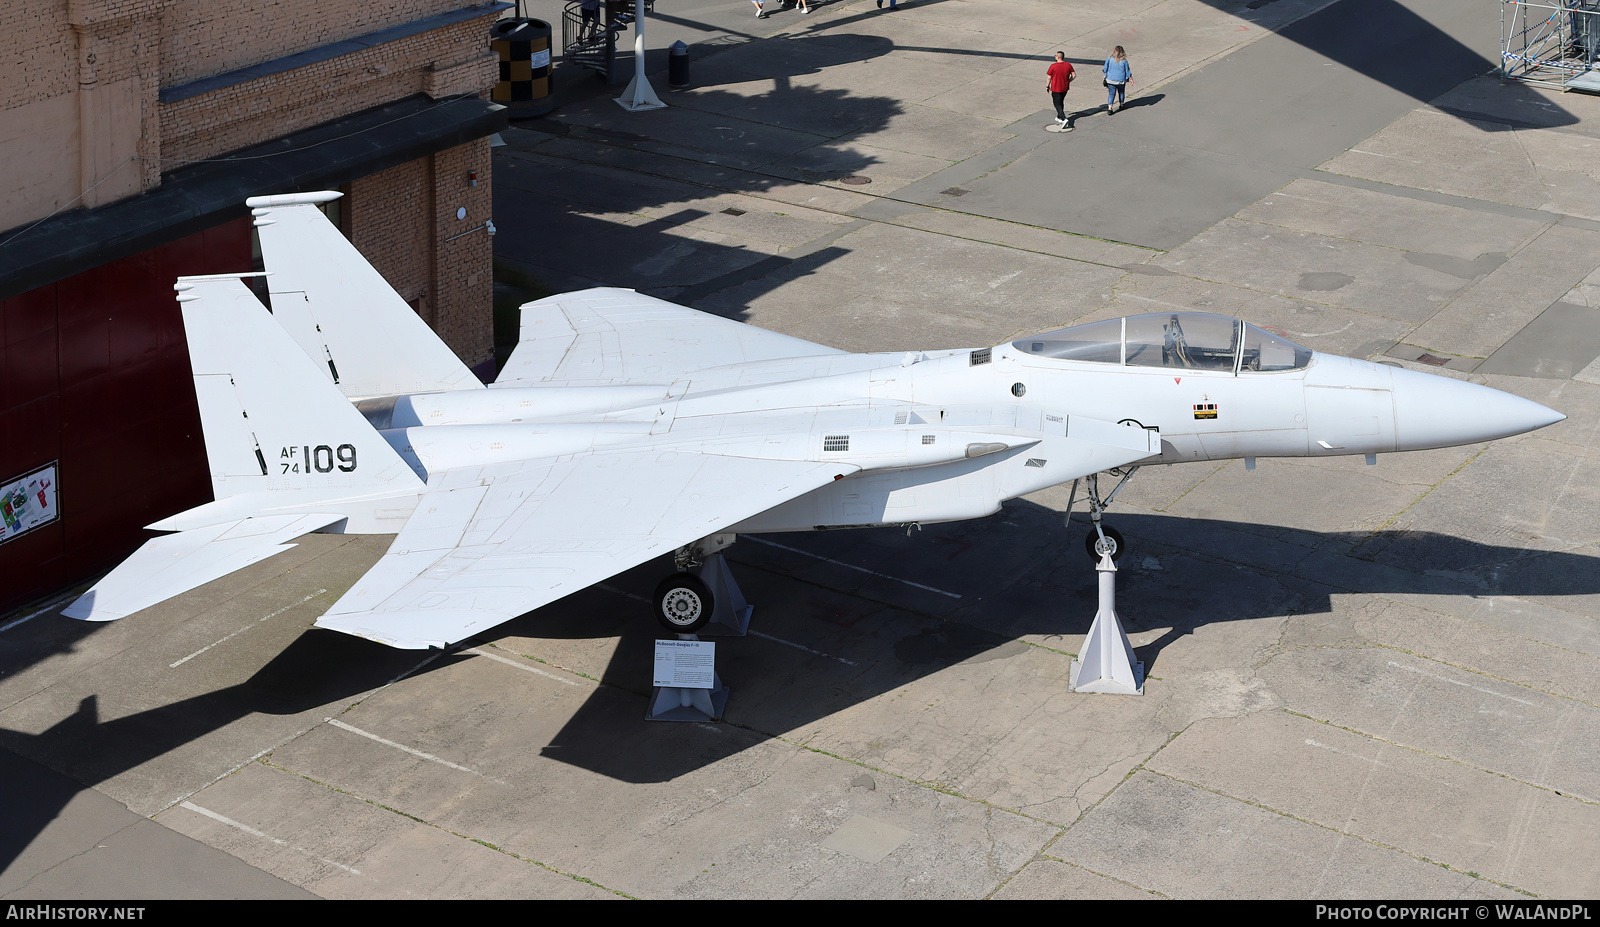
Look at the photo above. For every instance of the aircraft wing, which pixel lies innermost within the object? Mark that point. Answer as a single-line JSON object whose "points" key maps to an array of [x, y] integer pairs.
{"points": [[477, 555], [609, 334], [166, 566]]}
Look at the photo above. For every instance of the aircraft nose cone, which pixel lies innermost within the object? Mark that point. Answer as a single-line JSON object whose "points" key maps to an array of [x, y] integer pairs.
{"points": [[1435, 411]]}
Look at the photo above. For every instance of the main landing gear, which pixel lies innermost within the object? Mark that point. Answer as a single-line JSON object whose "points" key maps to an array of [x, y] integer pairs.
{"points": [[701, 597]]}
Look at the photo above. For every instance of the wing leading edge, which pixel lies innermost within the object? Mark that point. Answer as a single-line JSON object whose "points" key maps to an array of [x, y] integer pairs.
{"points": [[475, 556]]}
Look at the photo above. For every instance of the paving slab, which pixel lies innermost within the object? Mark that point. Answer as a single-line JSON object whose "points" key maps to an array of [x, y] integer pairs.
{"points": [[1336, 271], [1470, 820], [1483, 318], [339, 846], [986, 293], [1558, 343], [1432, 707], [770, 797], [1023, 20], [936, 133], [1520, 104], [1183, 841], [1429, 229], [66, 842], [1433, 150], [1512, 653], [1054, 880], [174, 711], [953, 222]]}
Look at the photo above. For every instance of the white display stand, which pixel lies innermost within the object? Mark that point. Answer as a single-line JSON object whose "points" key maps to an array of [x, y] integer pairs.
{"points": [[1107, 665], [639, 96], [730, 613], [687, 687]]}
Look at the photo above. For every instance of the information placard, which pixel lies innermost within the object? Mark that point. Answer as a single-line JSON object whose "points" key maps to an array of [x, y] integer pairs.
{"points": [[28, 502], [686, 664]]}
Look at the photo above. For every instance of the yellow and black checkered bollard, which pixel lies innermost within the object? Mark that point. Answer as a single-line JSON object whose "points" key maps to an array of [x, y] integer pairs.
{"points": [[524, 49]]}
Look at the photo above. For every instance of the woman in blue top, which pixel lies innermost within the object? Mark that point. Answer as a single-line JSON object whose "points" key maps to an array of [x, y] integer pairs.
{"points": [[1118, 73]]}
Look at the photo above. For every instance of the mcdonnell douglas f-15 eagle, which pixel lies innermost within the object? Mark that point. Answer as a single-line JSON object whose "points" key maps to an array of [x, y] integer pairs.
{"points": [[624, 428]]}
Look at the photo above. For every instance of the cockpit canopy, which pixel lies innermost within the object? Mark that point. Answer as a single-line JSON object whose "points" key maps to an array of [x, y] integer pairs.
{"points": [[1186, 340]]}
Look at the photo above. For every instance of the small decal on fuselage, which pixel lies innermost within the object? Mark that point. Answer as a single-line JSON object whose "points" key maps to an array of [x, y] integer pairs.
{"points": [[1203, 410]]}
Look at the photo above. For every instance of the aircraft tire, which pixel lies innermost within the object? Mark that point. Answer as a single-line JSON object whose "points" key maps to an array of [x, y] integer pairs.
{"points": [[683, 603], [1112, 535]]}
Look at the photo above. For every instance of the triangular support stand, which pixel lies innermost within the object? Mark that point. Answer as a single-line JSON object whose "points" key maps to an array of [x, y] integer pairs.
{"points": [[639, 96], [1107, 664], [730, 613], [672, 703]]}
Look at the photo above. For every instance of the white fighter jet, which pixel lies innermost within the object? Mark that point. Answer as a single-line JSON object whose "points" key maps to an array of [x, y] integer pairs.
{"points": [[624, 428]]}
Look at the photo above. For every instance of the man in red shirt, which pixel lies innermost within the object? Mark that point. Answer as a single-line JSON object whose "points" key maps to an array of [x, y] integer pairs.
{"points": [[1060, 75]]}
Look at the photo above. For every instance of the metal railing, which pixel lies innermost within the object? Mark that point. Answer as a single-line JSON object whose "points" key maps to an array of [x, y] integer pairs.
{"points": [[1554, 42], [595, 46]]}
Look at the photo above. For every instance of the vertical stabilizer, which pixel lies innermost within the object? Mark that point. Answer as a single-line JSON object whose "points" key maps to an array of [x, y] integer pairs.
{"points": [[339, 309], [272, 421]]}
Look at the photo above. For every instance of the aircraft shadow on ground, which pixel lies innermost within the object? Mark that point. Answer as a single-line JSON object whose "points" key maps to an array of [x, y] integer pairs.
{"points": [[1179, 575], [318, 668], [845, 635]]}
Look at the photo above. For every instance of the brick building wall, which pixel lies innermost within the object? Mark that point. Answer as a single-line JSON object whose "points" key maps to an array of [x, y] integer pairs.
{"points": [[80, 85], [205, 37], [245, 114], [404, 221], [95, 375]]}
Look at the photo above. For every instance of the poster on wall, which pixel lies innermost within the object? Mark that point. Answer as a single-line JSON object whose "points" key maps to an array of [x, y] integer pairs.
{"points": [[28, 502]]}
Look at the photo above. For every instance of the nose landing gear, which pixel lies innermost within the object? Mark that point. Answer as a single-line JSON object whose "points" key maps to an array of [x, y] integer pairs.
{"points": [[1102, 539], [1106, 663]]}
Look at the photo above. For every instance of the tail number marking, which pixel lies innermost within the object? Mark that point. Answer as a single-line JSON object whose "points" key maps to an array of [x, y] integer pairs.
{"points": [[321, 459]]}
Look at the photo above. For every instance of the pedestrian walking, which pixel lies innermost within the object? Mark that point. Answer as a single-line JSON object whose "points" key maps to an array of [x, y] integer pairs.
{"points": [[1059, 79], [591, 18], [804, 6], [1118, 73], [761, 11]]}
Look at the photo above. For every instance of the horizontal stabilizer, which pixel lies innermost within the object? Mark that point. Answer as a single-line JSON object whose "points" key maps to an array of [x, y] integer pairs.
{"points": [[165, 567]]}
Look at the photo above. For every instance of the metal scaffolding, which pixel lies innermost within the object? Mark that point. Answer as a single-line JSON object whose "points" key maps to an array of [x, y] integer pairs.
{"points": [[1551, 42]]}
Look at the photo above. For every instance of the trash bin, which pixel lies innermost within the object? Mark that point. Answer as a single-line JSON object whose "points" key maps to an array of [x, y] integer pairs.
{"points": [[523, 46], [678, 64]]}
